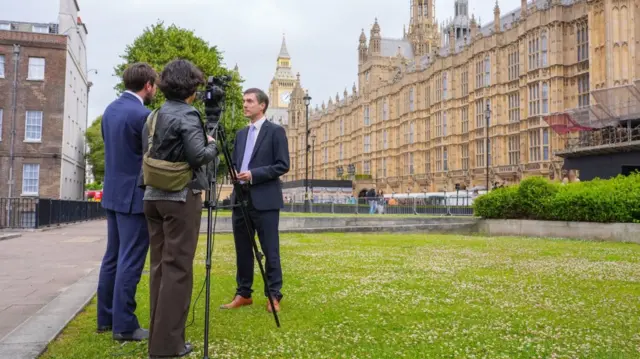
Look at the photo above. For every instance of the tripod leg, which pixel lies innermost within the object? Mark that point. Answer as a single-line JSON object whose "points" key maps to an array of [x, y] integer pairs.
{"points": [[210, 229]]}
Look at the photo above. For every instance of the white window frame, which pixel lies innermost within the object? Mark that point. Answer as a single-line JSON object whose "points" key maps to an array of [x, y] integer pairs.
{"points": [[2, 64], [412, 129], [445, 160], [27, 188], [544, 46], [36, 70], [545, 98], [411, 103], [444, 123], [444, 86], [514, 149], [367, 119], [367, 144], [487, 71], [41, 29], [33, 125]]}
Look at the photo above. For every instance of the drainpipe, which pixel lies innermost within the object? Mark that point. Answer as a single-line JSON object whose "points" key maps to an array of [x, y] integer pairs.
{"points": [[14, 109]]}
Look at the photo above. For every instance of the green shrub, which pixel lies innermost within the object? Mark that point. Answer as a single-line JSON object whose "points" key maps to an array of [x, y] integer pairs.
{"points": [[603, 201], [534, 195], [500, 203]]}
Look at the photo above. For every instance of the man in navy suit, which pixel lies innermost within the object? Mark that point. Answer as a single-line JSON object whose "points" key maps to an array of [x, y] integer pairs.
{"points": [[260, 157], [128, 237]]}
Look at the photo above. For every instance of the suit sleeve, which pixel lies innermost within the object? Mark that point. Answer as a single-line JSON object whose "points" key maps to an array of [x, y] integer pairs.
{"points": [[280, 164], [197, 150], [145, 138], [145, 148]]}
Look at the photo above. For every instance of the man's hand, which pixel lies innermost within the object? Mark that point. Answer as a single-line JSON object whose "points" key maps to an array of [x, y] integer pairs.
{"points": [[211, 139], [245, 176]]}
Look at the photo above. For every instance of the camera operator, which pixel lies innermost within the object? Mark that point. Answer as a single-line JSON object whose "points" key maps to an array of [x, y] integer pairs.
{"points": [[174, 174]]}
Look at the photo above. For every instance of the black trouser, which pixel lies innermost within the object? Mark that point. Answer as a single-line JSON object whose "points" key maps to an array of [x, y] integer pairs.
{"points": [[173, 231], [265, 223]]}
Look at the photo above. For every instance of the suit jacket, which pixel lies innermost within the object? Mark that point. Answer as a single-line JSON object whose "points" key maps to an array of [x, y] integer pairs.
{"points": [[122, 124], [269, 161]]}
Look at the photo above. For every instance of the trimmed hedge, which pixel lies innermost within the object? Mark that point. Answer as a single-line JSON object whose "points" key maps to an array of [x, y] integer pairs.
{"points": [[603, 201]]}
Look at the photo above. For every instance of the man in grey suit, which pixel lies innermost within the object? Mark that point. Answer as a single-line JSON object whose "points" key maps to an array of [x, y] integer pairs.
{"points": [[260, 157]]}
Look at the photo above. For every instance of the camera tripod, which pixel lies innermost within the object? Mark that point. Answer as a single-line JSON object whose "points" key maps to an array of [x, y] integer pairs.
{"points": [[216, 130]]}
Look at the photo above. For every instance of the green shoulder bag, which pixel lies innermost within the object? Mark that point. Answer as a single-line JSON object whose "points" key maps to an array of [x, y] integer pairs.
{"points": [[160, 174]]}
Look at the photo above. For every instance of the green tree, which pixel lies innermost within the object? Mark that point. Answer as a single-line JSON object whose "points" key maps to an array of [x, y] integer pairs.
{"points": [[160, 44], [95, 157], [157, 46]]}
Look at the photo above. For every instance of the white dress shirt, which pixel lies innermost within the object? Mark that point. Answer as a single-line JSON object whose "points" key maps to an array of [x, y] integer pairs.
{"points": [[258, 125], [136, 95]]}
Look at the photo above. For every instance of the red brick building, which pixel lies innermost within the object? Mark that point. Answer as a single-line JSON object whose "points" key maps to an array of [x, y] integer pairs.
{"points": [[32, 105], [43, 107]]}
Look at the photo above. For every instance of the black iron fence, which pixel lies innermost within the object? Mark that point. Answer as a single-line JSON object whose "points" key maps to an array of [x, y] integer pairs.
{"points": [[444, 206], [42, 212]]}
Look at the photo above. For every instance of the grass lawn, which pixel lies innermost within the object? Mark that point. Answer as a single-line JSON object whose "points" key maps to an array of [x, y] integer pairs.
{"points": [[412, 296]]}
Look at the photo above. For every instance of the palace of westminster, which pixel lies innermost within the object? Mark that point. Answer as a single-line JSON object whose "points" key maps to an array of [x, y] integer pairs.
{"points": [[417, 119]]}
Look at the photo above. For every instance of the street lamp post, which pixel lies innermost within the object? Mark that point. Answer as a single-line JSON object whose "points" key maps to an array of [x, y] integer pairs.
{"points": [[86, 127], [313, 161], [307, 102], [488, 116]]}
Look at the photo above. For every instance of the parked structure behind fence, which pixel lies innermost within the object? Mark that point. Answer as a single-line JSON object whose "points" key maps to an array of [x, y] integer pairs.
{"points": [[41, 212]]}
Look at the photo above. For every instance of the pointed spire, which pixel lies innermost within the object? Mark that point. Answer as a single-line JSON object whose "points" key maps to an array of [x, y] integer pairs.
{"points": [[496, 18], [354, 88], [235, 68], [375, 29], [284, 53]]}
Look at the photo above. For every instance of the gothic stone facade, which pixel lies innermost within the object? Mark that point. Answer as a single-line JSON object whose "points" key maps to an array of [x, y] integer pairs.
{"points": [[418, 119]]}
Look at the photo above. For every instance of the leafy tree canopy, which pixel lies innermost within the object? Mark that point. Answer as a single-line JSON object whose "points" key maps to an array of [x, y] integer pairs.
{"points": [[95, 157], [159, 45]]}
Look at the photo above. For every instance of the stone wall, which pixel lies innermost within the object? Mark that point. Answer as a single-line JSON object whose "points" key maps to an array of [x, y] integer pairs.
{"points": [[615, 232]]}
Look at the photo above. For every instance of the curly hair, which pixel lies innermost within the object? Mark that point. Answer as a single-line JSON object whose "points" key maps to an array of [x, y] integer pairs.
{"points": [[180, 79]]}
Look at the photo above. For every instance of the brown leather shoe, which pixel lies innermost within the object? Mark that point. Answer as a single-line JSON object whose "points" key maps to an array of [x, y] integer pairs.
{"points": [[237, 302], [276, 304]]}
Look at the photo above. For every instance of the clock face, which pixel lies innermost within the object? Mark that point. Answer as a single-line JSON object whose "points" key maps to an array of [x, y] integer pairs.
{"points": [[285, 97]]}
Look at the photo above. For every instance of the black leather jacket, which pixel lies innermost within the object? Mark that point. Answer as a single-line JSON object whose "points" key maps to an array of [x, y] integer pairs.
{"points": [[180, 137]]}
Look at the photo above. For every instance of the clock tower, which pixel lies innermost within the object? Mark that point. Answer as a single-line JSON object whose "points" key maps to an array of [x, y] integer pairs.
{"points": [[283, 81]]}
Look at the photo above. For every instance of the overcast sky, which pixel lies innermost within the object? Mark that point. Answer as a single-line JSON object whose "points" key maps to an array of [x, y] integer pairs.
{"points": [[322, 37]]}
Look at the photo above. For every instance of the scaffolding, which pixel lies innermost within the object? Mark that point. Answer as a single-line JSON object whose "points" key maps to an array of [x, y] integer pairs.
{"points": [[613, 121]]}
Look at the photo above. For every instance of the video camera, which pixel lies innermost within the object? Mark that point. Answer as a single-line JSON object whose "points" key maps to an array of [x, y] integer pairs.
{"points": [[213, 97]]}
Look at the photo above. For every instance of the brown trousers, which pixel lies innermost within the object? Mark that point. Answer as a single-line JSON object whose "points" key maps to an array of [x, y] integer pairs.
{"points": [[173, 234]]}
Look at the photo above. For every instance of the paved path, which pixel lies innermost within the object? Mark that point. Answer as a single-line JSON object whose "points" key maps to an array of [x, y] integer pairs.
{"points": [[45, 279]]}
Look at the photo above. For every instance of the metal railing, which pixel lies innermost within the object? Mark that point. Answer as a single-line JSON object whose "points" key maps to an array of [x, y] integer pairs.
{"points": [[431, 205], [25, 213]]}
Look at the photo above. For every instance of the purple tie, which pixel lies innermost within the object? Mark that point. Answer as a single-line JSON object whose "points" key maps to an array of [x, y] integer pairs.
{"points": [[248, 148]]}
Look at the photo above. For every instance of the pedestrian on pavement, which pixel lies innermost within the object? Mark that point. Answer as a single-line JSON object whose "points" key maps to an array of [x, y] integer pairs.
{"points": [[127, 237]]}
